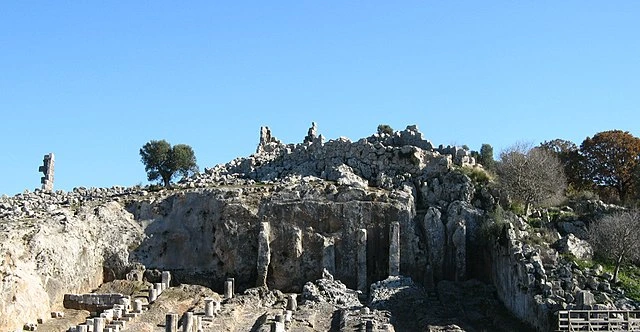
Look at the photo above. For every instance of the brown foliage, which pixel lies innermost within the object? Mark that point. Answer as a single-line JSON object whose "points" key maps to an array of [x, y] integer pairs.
{"points": [[611, 159]]}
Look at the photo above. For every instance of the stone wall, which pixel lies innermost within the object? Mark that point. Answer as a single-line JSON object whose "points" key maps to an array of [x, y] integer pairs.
{"points": [[381, 160], [91, 302]]}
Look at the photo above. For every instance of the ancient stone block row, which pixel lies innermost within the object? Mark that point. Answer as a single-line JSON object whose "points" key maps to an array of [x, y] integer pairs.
{"points": [[190, 321], [91, 302], [118, 314]]}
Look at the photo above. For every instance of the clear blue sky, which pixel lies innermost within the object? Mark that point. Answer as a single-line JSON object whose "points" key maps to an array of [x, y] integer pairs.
{"points": [[92, 81]]}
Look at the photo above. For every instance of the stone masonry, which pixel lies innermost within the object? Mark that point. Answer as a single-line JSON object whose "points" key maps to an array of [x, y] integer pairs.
{"points": [[47, 169]]}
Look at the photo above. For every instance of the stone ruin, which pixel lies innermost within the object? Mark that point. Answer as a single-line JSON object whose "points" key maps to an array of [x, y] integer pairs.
{"points": [[389, 216], [47, 169]]}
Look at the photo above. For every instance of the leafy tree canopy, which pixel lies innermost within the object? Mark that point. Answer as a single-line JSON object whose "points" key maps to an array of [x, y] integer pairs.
{"points": [[163, 162], [385, 129], [612, 159]]}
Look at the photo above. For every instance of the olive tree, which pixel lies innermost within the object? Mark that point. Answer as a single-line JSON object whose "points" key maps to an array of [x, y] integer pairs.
{"points": [[616, 237], [531, 176], [163, 162], [385, 129]]}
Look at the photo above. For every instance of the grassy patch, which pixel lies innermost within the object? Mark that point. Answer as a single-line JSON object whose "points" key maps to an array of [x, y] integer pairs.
{"points": [[630, 281], [517, 208], [477, 174], [628, 278]]}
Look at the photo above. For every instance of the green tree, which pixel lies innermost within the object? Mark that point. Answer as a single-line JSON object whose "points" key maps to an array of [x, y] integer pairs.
{"points": [[530, 176], [486, 156], [163, 162], [616, 237], [611, 159], [385, 129]]}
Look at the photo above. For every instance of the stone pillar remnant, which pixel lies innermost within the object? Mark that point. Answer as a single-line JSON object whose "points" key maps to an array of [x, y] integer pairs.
{"points": [[166, 279], [158, 286], [394, 249], [208, 307], [264, 254], [292, 302], [278, 324], [187, 322], [137, 306], [47, 169], [98, 324], [329, 255], [126, 304], [153, 295], [171, 322], [361, 266], [89, 323], [228, 288]]}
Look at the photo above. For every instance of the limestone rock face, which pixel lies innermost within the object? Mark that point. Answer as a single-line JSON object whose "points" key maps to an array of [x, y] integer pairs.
{"points": [[280, 235], [436, 240], [66, 252], [571, 244]]}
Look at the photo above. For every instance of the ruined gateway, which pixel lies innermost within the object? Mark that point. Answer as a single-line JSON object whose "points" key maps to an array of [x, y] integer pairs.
{"points": [[379, 234]]}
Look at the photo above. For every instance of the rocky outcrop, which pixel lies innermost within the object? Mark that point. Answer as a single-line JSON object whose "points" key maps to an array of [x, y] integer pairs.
{"points": [[382, 160], [572, 245], [356, 211], [66, 252], [518, 275]]}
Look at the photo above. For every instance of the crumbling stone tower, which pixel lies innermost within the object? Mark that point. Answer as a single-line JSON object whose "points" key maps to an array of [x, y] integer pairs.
{"points": [[47, 170]]}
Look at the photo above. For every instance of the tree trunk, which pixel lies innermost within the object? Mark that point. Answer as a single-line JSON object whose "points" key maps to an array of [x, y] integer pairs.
{"points": [[167, 181], [617, 270]]}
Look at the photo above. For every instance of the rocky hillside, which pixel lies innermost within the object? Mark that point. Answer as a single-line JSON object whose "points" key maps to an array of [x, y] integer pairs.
{"points": [[281, 217]]}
